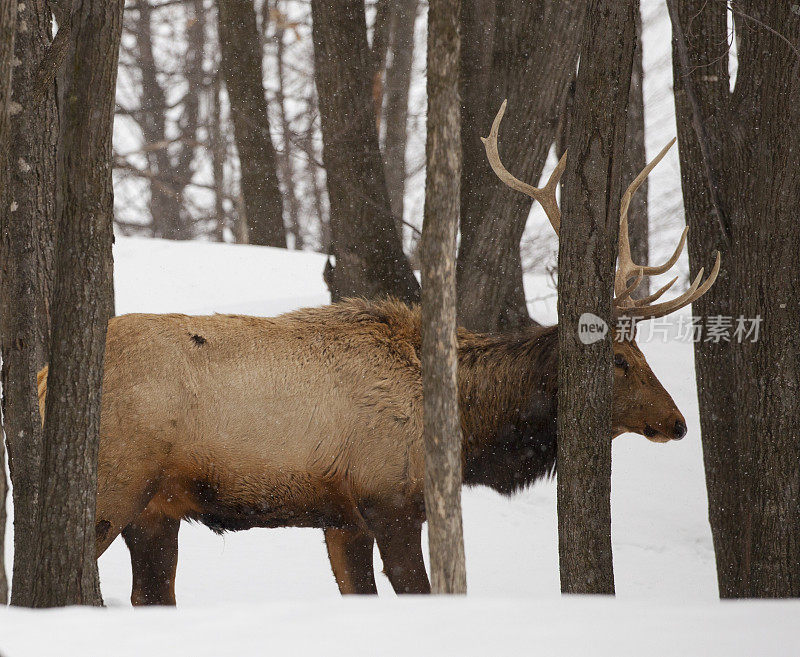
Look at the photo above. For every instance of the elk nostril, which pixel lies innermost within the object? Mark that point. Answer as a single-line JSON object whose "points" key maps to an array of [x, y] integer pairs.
{"points": [[680, 429]]}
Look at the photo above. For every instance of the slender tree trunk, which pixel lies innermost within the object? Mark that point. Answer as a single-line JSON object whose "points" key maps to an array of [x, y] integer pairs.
{"points": [[369, 255], [287, 168], [587, 254], [635, 161], [242, 67], [27, 261], [398, 83], [218, 157], [534, 52], [738, 145], [165, 202], [66, 568], [8, 21], [439, 346]]}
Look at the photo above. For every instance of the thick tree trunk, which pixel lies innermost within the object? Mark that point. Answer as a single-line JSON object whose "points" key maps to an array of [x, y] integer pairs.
{"points": [[534, 52], [396, 89], [635, 161], [749, 416], [442, 428], [27, 261], [586, 258], [65, 571], [242, 68], [369, 255], [8, 23]]}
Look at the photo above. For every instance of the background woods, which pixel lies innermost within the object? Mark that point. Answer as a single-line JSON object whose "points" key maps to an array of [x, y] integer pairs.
{"points": [[348, 133]]}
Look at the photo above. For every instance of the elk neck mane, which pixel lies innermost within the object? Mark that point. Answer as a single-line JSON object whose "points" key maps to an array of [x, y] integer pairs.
{"points": [[508, 386]]}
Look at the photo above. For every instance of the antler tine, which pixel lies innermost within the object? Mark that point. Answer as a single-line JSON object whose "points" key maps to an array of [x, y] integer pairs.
{"points": [[629, 290], [691, 295], [546, 196], [627, 267], [656, 295]]}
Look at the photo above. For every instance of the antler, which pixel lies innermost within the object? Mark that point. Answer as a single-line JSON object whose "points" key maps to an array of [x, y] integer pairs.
{"points": [[627, 269], [545, 195]]}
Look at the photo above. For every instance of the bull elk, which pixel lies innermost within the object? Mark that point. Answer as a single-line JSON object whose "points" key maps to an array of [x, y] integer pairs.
{"points": [[314, 419]]}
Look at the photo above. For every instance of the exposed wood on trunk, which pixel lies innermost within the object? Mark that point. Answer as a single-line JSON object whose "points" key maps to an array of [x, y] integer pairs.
{"points": [[587, 254], [442, 429], [242, 68], [369, 255], [525, 71], [27, 261], [65, 571], [750, 421]]}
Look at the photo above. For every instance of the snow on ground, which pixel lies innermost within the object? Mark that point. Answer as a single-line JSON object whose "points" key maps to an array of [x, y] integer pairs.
{"points": [[272, 589]]}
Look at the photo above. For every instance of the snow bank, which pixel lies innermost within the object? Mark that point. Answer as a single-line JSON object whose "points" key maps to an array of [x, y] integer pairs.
{"points": [[272, 589]]}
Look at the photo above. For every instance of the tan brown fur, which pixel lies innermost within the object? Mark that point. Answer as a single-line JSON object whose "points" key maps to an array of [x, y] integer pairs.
{"points": [[314, 418]]}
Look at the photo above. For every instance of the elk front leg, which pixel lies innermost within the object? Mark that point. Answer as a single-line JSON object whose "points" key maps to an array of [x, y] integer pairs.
{"points": [[350, 554], [400, 545], [153, 543]]}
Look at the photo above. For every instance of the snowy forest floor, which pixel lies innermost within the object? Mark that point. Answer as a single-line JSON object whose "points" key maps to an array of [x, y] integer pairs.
{"points": [[272, 590]]}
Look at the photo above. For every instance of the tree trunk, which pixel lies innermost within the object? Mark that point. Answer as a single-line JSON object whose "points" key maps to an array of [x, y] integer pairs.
{"points": [[242, 67], [587, 255], [749, 414], [525, 71], [442, 428], [165, 201], [65, 571], [27, 260], [219, 153], [287, 168], [369, 255], [635, 161], [8, 24], [398, 83]]}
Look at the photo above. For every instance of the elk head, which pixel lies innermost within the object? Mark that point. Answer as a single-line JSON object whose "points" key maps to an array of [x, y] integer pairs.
{"points": [[641, 404]]}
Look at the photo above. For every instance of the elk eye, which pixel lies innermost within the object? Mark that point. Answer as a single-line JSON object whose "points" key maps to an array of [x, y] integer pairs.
{"points": [[619, 361]]}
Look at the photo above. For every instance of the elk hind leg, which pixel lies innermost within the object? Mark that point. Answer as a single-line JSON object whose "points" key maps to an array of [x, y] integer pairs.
{"points": [[400, 545], [350, 554], [153, 543]]}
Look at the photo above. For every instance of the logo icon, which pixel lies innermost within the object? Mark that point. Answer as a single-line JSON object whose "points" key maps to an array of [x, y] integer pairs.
{"points": [[591, 328]]}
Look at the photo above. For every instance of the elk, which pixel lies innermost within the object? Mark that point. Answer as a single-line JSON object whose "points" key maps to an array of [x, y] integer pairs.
{"points": [[314, 419]]}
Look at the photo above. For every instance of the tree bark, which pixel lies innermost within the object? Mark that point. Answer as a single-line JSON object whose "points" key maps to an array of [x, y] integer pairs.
{"points": [[442, 428], [396, 90], [587, 255], [534, 52], [287, 168], [65, 571], [165, 199], [28, 242], [749, 416], [8, 24], [242, 68], [369, 255], [635, 161]]}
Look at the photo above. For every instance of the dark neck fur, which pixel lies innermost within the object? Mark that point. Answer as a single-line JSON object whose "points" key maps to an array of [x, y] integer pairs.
{"points": [[508, 387]]}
